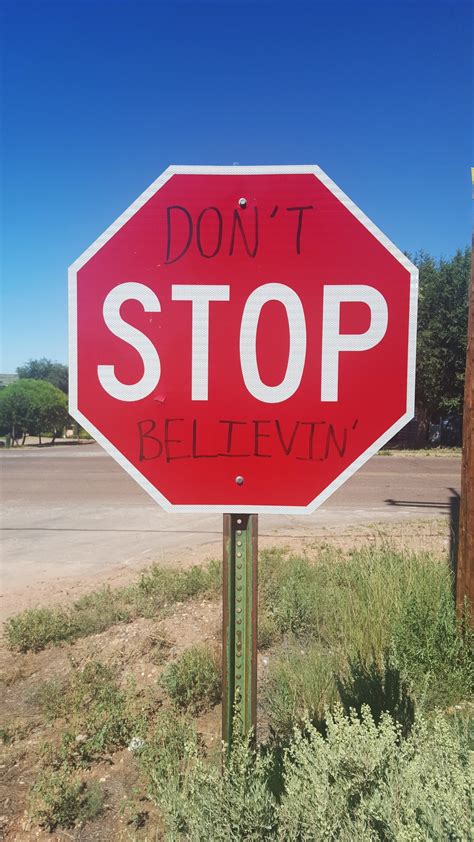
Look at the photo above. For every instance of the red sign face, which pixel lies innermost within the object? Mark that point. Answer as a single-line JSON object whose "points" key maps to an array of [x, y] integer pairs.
{"points": [[242, 339]]}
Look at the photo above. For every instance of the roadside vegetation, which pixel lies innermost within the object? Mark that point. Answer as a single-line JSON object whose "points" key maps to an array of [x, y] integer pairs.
{"points": [[365, 705], [193, 682], [358, 781], [372, 617], [155, 592]]}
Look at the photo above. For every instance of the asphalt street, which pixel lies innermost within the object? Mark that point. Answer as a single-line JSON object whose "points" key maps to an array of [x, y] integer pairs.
{"points": [[71, 514]]}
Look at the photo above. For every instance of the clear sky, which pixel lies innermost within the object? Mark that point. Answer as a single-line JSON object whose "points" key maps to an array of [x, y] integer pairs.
{"points": [[101, 96]]}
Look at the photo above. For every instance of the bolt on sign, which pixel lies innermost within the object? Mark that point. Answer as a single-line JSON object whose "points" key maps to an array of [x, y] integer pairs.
{"points": [[242, 339]]}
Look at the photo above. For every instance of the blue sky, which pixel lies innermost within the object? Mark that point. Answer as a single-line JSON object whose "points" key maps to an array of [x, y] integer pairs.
{"points": [[99, 97]]}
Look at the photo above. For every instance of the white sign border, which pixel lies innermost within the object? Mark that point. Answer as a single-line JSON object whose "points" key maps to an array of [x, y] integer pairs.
{"points": [[112, 230]]}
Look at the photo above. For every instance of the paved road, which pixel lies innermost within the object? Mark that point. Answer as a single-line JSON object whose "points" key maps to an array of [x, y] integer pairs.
{"points": [[71, 513]]}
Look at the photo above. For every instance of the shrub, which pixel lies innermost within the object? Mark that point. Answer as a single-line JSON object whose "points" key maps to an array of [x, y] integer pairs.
{"points": [[201, 803], [193, 681], [58, 799], [361, 781], [94, 683], [94, 612], [364, 782], [36, 628], [32, 406], [161, 586], [166, 748]]}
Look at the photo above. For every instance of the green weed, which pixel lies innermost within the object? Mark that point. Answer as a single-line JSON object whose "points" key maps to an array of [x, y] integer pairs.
{"points": [[60, 799], [99, 715], [429, 646], [171, 740], [156, 589], [340, 609], [362, 781], [199, 802], [7, 735], [193, 681], [300, 682], [36, 628], [160, 587], [287, 594]]}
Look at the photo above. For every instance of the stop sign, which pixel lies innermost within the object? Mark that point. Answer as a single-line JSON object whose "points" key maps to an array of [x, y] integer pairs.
{"points": [[242, 339]]}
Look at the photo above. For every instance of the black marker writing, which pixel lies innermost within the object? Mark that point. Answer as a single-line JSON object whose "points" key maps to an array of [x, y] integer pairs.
{"points": [[169, 229], [301, 209], [237, 222]]}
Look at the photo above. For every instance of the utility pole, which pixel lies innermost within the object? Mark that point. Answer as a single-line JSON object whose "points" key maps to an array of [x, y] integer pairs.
{"points": [[465, 562]]}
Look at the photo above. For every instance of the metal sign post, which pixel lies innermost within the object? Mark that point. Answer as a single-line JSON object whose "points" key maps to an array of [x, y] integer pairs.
{"points": [[239, 626]]}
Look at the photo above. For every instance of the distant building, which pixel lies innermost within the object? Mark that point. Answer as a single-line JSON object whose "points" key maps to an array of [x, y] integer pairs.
{"points": [[6, 379]]}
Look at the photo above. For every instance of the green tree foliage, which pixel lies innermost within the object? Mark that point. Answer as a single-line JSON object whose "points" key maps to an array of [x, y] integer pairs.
{"points": [[33, 407], [442, 335], [44, 369]]}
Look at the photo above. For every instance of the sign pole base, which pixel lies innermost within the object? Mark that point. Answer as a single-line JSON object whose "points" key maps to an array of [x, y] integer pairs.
{"points": [[239, 627]]}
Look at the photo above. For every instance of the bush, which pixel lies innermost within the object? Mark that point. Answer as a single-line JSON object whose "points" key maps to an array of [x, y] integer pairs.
{"points": [[364, 782], [97, 611], [36, 628], [361, 781], [32, 406], [172, 740], [193, 682], [201, 803], [157, 588], [58, 799]]}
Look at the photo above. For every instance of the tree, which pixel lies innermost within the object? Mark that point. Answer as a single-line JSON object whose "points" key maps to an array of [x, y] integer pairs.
{"points": [[44, 369], [34, 407], [442, 336]]}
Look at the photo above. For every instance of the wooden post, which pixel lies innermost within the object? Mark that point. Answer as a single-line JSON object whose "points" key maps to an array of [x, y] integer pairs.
{"points": [[465, 562]]}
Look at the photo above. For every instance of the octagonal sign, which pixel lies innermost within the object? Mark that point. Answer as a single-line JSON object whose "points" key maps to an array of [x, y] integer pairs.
{"points": [[242, 339]]}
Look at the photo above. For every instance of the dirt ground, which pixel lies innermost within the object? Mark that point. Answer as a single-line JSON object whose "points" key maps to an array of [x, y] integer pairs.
{"points": [[130, 647]]}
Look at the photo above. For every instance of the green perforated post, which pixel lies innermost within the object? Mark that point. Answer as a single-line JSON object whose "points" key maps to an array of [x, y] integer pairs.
{"points": [[239, 627]]}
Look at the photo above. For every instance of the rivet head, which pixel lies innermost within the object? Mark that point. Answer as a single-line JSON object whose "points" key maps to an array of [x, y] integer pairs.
{"points": [[243, 203], [239, 480]]}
